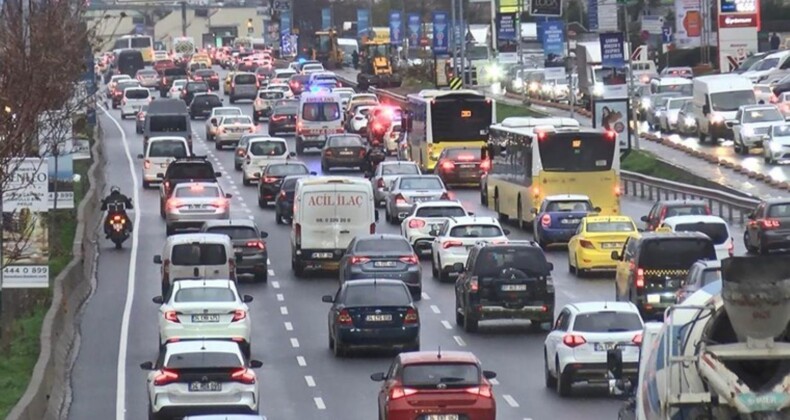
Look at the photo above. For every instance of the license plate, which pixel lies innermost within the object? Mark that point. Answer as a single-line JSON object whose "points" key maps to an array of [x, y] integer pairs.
{"points": [[514, 287], [205, 318], [384, 264], [346, 153], [612, 245], [654, 298], [237, 249], [441, 417], [322, 255], [379, 318], [604, 346], [569, 221], [205, 386], [467, 166]]}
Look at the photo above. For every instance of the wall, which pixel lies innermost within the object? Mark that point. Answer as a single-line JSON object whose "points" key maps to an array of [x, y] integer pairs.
{"points": [[170, 26]]}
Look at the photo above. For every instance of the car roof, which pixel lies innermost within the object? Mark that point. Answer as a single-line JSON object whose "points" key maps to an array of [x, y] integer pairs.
{"points": [[564, 197], [673, 80], [197, 284], [201, 237], [197, 346], [597, 306], [677, 220], [757, 106], [439, 203], [439, 356], [596, 219], [380, 236], [266, 138], [344, 135], [682, 202], [397, 162], [474, 220], [226, 108], [168, 138], [226, 417], [230, 222]]}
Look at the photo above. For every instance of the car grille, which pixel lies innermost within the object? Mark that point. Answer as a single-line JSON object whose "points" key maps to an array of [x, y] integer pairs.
{"points": [[761, 130]]}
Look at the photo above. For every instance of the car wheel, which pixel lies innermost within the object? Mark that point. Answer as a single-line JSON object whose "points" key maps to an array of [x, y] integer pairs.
{"points": [[217, 145], [417, 294], [246, 182], [550, 380], [246, 349], [299, 146], [232, 100], [152, 415], [580, 272], [261, 275], [331, 341], [434, 271], [563, 382], [272, 132], [470, 322], [339, 350], [237, 166], [459, 316], [483, 196], [146, 185], [297, 268], [162, 210], [169, 230], [571, 268], [324, 168], [747, 243], [262, 203]]}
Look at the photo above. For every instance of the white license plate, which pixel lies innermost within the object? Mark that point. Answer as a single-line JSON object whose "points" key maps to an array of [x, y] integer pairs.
{"points": [[238, 249], [466, 166], [654, 298], [205, 318], [514, 287], [569, 221], [346, 153], [205, 386], [604, 346], [441, 417], [322, 255], [379, 318], [384, 264], [612, 245]]}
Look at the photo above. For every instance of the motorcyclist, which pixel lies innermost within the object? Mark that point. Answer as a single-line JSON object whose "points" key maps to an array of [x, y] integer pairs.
{"points": [[116, 203]]}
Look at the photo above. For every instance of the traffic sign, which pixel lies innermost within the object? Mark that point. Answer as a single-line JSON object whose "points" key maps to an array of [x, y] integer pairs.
{"points": [[282, 5], [666, 35], [456, 83]]}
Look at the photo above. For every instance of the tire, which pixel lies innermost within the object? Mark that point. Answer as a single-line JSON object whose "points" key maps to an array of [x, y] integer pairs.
{"points": [[272, 132], [520, 221], [246, 349], [246, 182], [262, 203], [170, 231], [146, 185], [152, 415], [278, 219], [550, 381], [459, 317], [763, 249], [262, 276], [299, 147], [217, 145], [297, 268], [162, 210], [564, 381], [324, 168], [571, 268], [118, 244], [417, 294], [470, 322], [483, 196], [338, 349], [232, 100], [237, 166], [434, 271], [749, 248]]}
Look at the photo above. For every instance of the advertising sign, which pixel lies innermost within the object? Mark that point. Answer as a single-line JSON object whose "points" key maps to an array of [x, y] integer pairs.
{"points": [[440, 32], [738, 24], [396, 25], [326, 18], [25, 229], [545, 7], [739, 6], [688, 24], [363, 22], [60, 182], [507, 37], [415, 30], [612, 115], [554, 49], [592, 15], [613, 65], [607, 16], [285, 33]]}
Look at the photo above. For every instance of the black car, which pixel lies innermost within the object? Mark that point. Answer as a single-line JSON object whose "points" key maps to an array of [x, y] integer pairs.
{"points": [[192, 88], [203, 103], [117, 93], [283, 119], [298, 82], [209, 76], [284, 203], [462, 165], [373, 313], [768, 227], [504, 281], [343, 151], [382, 256], [247, 239], [272, 178], [167, 77]]}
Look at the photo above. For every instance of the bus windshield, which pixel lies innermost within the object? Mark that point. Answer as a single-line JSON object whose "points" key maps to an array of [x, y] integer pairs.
{"points": [[576, 152], [461, 118]]}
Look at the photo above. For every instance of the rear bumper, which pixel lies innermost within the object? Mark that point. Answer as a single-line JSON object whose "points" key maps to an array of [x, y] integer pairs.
{"points": [[412, 277], [556, 235], [252, 264], [352, 162], [454, 178], [482, 409], [588, 259], [422, 245], [193, 221], [598, 372], [534, 312], [178, 411], [317, 142], [778, 239], [378, 337]]}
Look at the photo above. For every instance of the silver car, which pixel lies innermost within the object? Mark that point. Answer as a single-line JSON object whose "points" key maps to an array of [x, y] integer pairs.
{"points": [[231, 129], [386, 172], [212, 122], [193, 203], [407, 190]]}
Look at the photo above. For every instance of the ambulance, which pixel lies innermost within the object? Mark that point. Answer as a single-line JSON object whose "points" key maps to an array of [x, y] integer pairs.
{"points": [[320, 113]]}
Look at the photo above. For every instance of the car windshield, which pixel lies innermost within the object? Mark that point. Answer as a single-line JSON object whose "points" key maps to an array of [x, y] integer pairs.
{"points": [[676, 103], [245, 79], [607, 321], [267, 148], [690, 210], [137, 93], [321, 111], [710, 275], [680, 88], [345, 141], [271, 94], [204, 360], [236, 120], [717, 232], [762, 115], [766, 64], [399, 169], [179, 83], [167, 148], [279, 170], [372, 294], [476, 231], [421, 183], [675, 253], [127, 85], [196, 191], [463, 154], [199, 254], [430, 375], [781, 130], [569, 205], [208, 99], [596, 227], [196, 87], [383, 246], [204, 294], [493, 260], [447, 211], [779, 211], [731, 101], [235, 232]]}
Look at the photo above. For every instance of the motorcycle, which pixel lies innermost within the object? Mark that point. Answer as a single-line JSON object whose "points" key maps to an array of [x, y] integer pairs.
{"points": [[118, 227], [376, 155]]}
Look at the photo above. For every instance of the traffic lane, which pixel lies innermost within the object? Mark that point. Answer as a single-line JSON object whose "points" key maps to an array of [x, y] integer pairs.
{"points": [[93, 375]]}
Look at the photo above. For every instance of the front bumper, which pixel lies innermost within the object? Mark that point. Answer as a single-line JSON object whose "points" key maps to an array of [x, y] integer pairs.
{"points": [[378, 337], [456, 178], [268, 191], [282, 128], [482, 409], [755, 140]]}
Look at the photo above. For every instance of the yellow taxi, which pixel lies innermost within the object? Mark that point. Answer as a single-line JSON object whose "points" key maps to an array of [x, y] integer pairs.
{"points": [[597, 236], [229, 81], [202, 59]]}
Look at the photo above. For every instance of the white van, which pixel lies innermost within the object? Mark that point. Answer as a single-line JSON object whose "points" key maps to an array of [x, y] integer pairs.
{"points": [[714, 227], [348, 45], [261, 151], [196, 255], [716, 100], [319, 115], [133, 100], [158, 155], [667, 84], [771, 65], [328, 213]]}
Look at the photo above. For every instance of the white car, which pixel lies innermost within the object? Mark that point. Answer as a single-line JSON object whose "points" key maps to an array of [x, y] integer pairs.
{"points": [[114, 80], [713, 227], [210, 309], [359, 122], [133, 101], [668, 120], [283, 87], [260, 152], [231, 128], [777, 147], [160, 152], [284, 74], [263, 105], [193, 203], [191, 377], [312, 68], [575, 349], [457, 236], [751, 125], [212, 122], [175, 89], [345, 94], [427, 218]]}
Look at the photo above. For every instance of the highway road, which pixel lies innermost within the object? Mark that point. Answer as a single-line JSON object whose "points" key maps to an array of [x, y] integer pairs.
{"points": [[300, 378]]}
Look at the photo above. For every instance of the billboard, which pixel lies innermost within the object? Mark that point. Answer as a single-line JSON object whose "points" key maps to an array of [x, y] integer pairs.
{"points": [[507, 36], [396, 33], [545, 7], [739, 22], [363, 22], [415, 30], [25, 229], [688, 24], [612, 115], [554, 49], [285, 34], [613, 67], [440, 32], [60, 176]]}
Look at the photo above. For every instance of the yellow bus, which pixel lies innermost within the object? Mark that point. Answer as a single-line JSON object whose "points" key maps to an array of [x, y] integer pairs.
{"points": [[446, 119], [142, 43], [532, 158]]}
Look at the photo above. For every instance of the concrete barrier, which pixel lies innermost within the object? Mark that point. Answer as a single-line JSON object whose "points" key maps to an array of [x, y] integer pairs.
{"points": [[48, 395]]}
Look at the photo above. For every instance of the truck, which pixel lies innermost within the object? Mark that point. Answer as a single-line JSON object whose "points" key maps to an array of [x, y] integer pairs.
{"points": [[722, 354]]}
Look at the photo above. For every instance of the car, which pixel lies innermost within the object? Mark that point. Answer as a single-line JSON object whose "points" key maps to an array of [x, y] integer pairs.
{"points": [[139, 121], [575, 349], [713, 226], [763, 93], [118, 92], [376, 313], [385, 173], [281, 87], [776, 148], [176, 88], [343, 150], [209, 76], [175, 384], [382, 256], [205, 309], [768, 227], [312, 68], [406, 190], [283, 73], [148, 78], [669, 208], [436, 385], [264, 103], [243, 86], [227, 82], [169, 77], [191, 169], [197, 256], [655, 106], [362, 98], [284, 202], [283, 118], [191, 88], [687, 122], [260, 152], [426, 219], [231, 128], [114, 80], [701, 274], [558, 217], [456, 237], [752, 124], [241, 149], [298, 83], [212, 122], [783, 103], [668, 120], [357, 121], [193, 203], [590, 248], [202, 104], [263, 74], [272, 178], [323, 78], [158, 155], [462, 165], [133, 100], [248, 242]]}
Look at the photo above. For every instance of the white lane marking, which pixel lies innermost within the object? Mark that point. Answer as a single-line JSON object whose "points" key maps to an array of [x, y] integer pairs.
{"points": [[294, 343], [301, 361], [251, 217], [310, 381], [280, 297], [246, 209], [459, 340], [510, 400], [288, 326], [446, 324], [271, 272], [493, 381], [425, 296], [275, 284], [284, 310], [319, 403], [120, 387], [269, 261], [435, 309]]}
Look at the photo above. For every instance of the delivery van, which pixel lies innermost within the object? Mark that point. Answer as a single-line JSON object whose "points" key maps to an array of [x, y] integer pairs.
{"points": [[328, 213], [716, 101]]}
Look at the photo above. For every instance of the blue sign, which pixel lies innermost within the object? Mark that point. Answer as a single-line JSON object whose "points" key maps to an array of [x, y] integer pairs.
{"points": [[363, 22], [440, 32], [139, 28], [396, 25], [666, 35], [592, 15], [415, 30], [612, 51], [285, 32], [459, 30], [326, 18], [554, 43], [506, 27]]}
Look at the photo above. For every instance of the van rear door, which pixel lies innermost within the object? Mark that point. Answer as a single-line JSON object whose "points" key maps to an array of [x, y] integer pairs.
{"points": [[354, 215], [318, 212]]}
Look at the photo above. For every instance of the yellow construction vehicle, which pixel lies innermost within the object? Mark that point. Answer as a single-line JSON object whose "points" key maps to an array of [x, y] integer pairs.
{"points": [[375, 65], [326, 49]]}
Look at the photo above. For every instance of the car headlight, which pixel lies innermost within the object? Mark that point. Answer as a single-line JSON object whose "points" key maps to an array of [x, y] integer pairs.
{"points": [[747, 131], [646, 103], [690, 121], [598, 89], [716, 119], [494, 71], [776, 147], [534, 86]]}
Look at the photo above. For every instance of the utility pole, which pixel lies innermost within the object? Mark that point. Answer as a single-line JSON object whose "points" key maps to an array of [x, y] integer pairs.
{"points": [[451, 34], [462, 33], [183, 18]]}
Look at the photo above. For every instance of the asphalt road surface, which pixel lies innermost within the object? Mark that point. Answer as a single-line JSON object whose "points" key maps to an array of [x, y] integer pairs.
{"points": [[300, 378]]}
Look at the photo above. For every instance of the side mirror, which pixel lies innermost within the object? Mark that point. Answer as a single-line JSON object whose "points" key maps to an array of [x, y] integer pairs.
{"points": [[615, 255], [761, 102], [328, 299], [377, 215], [644, 219], [140, 156], [228, 195], [217, 174], [458, 267], [488, 374], [264, 235], [705, 109], [597, 209], [292, 154], [730, 123], [314, 173], [550, 265], [614, 362], [246, 298], [157, 259], [506, 231], [147, 366], [378, 377], [214, 122], [158, 300], [255, 364], [471, 213]]}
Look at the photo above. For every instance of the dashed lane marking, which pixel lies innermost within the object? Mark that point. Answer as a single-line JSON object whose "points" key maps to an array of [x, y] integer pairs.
{"points": [[319, 403], [280, 297], [446, 324], [251, 217], [275, 284], [288, 326], [459, 340], [301, 361], [284, 310], [310, 381], [294, 343], [246, 209], [425, 296], [493, 381], [271, 272], [435, 309], [510, 400]]}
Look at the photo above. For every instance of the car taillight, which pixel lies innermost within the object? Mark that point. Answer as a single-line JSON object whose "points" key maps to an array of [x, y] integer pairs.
{"points": [[473, 284], [372, 228], [215, 77], [416, 224], [450, 244], [147, 164], [118, 219], [359, 260], [239, 315], [485, 165], [344, 318], [573, 340], [639, 280], [173, 204], [165, 376], [412, 317], [172, 316], [298, 234], [269, 179], [399, 392], [637, 339], [244, 376], [400, 200], [447, 165], [410, 259], [731, 247], [482, 390], [328, 153], [256, 244], [586, 244], [770, 223], [545, 220], [283, 196]]}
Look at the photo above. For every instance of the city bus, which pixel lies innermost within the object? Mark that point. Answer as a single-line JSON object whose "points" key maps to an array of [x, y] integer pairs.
{"points": [[532, 158], [446, 119], [142, 43]]}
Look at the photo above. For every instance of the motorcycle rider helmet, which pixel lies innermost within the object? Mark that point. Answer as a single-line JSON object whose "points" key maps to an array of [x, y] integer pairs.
{"points": [[115, 189]]}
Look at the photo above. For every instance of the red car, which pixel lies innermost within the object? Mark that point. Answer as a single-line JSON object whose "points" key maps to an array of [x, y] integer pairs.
{"points": [[436, 384]]}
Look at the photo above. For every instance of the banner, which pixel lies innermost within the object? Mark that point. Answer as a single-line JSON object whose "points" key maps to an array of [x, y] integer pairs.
{"points": [[440, 33], [396, 33], [612, 115], [363, 22], [507, 36], [738, 25], [415, 30], [607, 16], [592, 15], [25, 229], [688, 24], [326, 18], [554, 49], [545, 8], [613, 68], [285, 33]]}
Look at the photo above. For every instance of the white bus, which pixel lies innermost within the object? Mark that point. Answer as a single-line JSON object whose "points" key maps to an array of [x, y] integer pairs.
{"points": [[142, 43]]}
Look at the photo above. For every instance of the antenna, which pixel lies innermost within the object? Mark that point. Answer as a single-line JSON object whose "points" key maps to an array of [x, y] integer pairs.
{"points": [[439, 353]]}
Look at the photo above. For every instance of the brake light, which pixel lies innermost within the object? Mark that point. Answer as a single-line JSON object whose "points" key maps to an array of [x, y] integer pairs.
{"points": [[256, 244], [399, 392], [640, 278], [473, 284], [328, 152], [147, 164], [165, 376], [269, 180], [411, 317], [239, 315], [447, 165], [117, 218], [244, 376], [343, 318], [770, 223], [573, 340], [362, 153], [400, 200], [410, 259], [172, 316], [451, 244], [482, 390], [298, 234], [359, 260], [282, 195], [277, 117], [372, 228], [586, 244], [545, 220], [485, 165], [637, 339], [173, 204], [258, 102], [416, 223], [611, 135]]}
